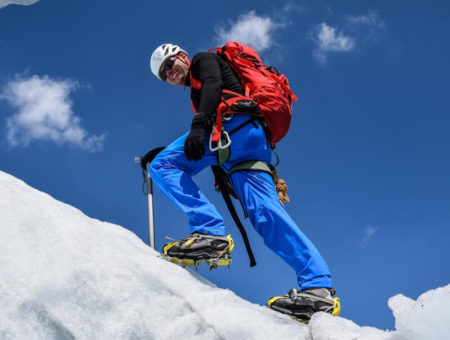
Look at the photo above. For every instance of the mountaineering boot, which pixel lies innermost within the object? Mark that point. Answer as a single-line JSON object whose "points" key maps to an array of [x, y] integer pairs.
{"points": [[303, 304], [198, 248]]}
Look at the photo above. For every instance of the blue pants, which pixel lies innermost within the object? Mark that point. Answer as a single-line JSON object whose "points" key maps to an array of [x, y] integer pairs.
{"points": [[172, 173]]}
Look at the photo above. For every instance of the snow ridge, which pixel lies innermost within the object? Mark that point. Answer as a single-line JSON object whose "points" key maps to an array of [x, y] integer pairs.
{"points": [[64, 275]]}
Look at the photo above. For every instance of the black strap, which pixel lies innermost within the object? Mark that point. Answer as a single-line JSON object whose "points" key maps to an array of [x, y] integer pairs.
{"points": [[237, 128], [220, 176], [252, 120]]}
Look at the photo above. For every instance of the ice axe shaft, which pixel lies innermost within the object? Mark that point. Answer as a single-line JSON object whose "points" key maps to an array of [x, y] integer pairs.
{"points": [[151, 225]]}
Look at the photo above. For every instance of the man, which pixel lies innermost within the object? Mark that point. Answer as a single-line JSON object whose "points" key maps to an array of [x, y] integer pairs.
{"points": [[210, 78]]}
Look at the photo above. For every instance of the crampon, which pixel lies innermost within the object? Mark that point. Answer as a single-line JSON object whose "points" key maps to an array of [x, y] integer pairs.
{"points": [[197, 249], [212, 263], [301, 305]]}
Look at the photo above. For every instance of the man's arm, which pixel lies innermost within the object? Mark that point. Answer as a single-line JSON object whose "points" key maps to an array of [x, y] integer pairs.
{"points": [[205, 68]]}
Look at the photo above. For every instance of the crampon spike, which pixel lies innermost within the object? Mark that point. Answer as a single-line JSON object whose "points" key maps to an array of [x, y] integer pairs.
{"points": [[212, 263]]}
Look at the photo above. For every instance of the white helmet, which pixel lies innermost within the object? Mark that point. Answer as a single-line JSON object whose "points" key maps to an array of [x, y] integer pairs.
{"points": [[161, 54]]}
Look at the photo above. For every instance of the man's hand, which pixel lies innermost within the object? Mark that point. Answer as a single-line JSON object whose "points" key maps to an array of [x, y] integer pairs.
{"points": [[194, 145]]}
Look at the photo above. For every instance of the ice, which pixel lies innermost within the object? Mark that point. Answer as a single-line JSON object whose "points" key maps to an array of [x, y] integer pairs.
{"points": [[426, 318], [326, 327], [64, 275], [4, 3]]}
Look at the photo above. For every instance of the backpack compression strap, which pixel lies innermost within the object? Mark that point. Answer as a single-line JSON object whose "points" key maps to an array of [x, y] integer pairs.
{"points": [[254, 64]]}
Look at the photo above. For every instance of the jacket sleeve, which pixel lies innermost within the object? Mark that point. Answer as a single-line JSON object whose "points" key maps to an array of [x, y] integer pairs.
{"points": [[205, 68]]}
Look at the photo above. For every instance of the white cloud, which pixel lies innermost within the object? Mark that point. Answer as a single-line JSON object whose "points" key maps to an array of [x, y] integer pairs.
{"points": [[293, 7], [327, 40], [369, 232], [369, 26], [250, 29], [370, 19], [4, 3], [43, 111]]}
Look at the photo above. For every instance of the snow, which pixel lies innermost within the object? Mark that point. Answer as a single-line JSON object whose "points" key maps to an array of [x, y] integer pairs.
{"points": [[4, 3], [64, 275]]}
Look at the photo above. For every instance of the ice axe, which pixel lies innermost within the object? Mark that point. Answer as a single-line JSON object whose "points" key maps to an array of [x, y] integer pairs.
{"points": [[145, 162]]}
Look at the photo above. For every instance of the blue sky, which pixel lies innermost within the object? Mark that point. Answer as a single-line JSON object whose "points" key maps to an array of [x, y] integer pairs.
{"points": [[366, 159]]}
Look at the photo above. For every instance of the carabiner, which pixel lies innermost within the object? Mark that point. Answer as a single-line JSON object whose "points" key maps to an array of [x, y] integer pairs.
{"points": [[220, 144]]}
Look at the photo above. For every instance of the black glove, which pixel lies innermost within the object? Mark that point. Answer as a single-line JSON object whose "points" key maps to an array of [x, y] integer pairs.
{"points": [[149, 156], [194, 145]]}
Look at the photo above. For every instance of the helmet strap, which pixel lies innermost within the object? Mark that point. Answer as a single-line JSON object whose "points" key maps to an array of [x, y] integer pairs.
{"points": [[184, 59]]}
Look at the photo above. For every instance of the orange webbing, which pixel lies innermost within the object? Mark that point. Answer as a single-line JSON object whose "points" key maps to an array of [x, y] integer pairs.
{"points": [[196, 84], [224, 107]]}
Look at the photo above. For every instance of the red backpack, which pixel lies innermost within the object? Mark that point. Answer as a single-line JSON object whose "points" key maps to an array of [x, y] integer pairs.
{"points": [[263, 85]]}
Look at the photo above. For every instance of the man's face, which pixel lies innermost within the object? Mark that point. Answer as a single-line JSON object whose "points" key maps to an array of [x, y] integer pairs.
{"points": [[176, 75]]}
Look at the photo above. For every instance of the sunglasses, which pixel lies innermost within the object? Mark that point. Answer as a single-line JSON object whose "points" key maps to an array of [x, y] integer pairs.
{"points": [[167, 66]]}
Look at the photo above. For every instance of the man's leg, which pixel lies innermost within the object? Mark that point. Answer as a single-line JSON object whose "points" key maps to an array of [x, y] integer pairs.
{"points": [[172, 173], [280, 233]]}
